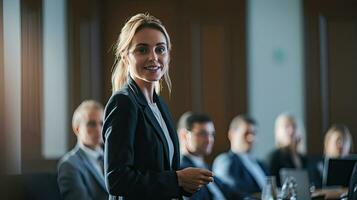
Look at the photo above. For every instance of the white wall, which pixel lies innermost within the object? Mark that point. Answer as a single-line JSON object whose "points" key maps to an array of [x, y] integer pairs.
{"points": [[12, 76], [55, 79], [275, 66]]}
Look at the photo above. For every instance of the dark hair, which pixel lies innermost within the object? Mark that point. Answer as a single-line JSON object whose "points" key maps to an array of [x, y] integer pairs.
{"points": [[238, 120], [188, 119]]}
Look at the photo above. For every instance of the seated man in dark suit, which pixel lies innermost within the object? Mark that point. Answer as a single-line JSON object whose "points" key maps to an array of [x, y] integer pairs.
{"points": [[80, 171], [196, 134], [238, 168]]}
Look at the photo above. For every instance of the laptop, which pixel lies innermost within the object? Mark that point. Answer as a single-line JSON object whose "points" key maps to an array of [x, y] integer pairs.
{"points": [[302, 181], [338, 171]]}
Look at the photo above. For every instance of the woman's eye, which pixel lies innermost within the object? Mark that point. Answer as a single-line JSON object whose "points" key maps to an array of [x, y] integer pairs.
{"points": [[160, 49], [141, 50]]}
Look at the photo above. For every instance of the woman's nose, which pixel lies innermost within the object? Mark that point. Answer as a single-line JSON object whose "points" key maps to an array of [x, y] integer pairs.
{"points": [[153, 55]]}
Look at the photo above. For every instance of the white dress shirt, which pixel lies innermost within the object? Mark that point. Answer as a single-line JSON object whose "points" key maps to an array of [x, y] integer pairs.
{"points": [[163, 126], [93, 156]]}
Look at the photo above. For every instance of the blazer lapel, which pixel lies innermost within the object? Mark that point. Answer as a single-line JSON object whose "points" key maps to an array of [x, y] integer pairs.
{"points": [[187, 160], [172, 131], [249, 177], [91, 168], [150, 116]]}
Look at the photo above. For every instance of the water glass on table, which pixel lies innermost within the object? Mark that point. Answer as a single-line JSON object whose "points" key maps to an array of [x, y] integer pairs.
{"points": [[269, 190]]}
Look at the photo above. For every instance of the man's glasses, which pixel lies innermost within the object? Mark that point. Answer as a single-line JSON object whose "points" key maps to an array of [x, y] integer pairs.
{"points": [[202, 133]]}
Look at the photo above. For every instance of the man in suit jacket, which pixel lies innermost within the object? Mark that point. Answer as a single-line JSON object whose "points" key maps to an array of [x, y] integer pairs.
{"points": [[238, 168], [196, 134], [80, 171]]}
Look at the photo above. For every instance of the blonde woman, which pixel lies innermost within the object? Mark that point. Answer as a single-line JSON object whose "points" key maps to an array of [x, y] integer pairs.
{"points": [[337, 144], [338, 141], [287, 139], [142, 155]]}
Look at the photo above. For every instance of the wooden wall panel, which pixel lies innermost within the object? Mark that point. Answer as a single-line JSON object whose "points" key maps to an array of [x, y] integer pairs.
{"points": [[85, 55], [31, 86], [215, 80], [220, 82], [331, 42], [313, 88], [342, 37], [2, 92]]}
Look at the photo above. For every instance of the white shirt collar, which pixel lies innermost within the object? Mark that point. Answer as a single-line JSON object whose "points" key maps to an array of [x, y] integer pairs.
{"points": [[94, 154], [246, 155]]}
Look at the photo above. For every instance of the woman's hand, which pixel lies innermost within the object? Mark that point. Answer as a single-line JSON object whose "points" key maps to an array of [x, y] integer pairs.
{"points": [[192, 179]]}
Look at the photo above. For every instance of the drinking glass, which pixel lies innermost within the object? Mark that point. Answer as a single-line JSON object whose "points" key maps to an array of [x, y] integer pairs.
{"points": [[269, 189]]}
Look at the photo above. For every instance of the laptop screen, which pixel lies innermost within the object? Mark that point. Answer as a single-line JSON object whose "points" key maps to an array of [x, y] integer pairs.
{"points": [[338, 171]]}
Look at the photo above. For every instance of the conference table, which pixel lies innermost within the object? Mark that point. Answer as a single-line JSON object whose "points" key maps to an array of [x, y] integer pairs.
{"points": [[329, 194], [320, 194]]}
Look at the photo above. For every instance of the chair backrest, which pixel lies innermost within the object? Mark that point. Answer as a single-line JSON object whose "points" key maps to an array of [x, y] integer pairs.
{"points": [[11, 187], [352, 189], [41, 186], [34, 186]]}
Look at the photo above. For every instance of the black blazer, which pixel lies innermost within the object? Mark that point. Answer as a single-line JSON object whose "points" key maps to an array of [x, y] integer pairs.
{"points": [[78, 179], [136, 155], [281, 158]]}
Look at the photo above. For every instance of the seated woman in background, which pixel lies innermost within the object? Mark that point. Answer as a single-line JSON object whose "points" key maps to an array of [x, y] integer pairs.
{"points": [[337, 144], [287, 140], [338, 141]]}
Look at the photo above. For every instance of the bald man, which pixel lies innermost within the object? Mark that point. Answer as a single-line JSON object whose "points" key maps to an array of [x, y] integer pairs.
{"points": [[80, 171]]}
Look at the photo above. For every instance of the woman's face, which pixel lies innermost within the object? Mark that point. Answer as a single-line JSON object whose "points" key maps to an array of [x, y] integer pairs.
{"points": [[148, 56], [286, 132], [336, 146]]}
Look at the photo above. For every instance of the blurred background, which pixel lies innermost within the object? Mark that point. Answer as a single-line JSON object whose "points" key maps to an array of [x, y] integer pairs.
{"points": [[229, 57]]}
